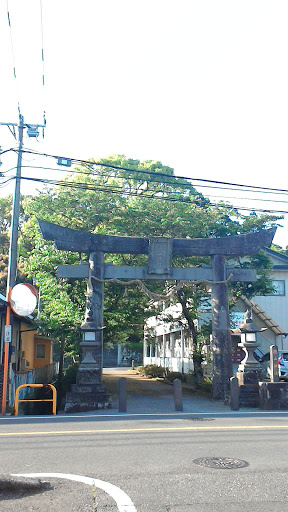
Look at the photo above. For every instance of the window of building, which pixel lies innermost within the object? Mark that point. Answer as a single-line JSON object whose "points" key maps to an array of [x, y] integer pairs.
{"points": [[40, 351], [279, 287]]}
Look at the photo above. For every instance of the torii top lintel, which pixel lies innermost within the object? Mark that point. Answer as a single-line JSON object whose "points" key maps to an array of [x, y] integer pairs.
{"points": [[81, 241]]}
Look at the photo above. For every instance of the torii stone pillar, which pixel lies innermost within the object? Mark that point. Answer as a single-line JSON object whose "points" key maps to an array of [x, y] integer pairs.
{"points": [[221, 338], [89, 393], [92, 327], [160, 251]]}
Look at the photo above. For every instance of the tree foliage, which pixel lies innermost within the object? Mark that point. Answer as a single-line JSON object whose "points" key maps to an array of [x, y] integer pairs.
{"points": [[150, 202]]}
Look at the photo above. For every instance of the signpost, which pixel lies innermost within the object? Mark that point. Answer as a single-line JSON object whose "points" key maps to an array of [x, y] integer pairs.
{"points": [[8, 333], [274, 370]]}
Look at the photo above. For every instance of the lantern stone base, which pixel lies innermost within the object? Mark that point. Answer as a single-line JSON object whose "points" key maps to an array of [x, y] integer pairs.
{"points": [[273, 396], [88, 394], [249, 388]]}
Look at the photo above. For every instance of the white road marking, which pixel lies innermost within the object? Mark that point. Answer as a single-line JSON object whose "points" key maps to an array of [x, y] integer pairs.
{"points": [[122, 500]]}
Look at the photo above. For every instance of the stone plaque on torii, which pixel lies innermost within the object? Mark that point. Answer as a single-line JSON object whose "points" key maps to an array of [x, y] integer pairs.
{"points": [[160, 252]]}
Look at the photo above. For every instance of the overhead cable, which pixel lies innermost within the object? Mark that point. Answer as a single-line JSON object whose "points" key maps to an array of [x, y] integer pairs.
{"points": [[156, 174], [12, 51], [84, 186], [181, 185]]}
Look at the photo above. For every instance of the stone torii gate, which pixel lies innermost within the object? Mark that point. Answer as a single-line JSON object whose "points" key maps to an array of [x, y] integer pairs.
{"points": [[88, 392]]}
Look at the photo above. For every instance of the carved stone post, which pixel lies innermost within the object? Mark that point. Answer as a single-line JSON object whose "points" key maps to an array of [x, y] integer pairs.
{"points": [[222, 352]]}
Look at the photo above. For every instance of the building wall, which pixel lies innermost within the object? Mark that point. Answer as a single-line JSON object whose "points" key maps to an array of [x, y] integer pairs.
{"points": [[44, 356], [27, 347], [277, 305], [170, 350], [30, 351], [265, 338], [274, 305]]}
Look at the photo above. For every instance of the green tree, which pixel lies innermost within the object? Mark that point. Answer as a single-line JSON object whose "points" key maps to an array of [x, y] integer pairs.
{"points": [[150, 202], [5, 226]]}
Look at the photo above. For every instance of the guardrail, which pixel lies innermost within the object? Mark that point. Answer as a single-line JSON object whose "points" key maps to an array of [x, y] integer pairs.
{"points": [[53, 399]]}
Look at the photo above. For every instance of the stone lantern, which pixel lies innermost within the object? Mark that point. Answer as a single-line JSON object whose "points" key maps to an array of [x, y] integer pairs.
{"points": [[249, 343], [90, 368], [249, 372]]}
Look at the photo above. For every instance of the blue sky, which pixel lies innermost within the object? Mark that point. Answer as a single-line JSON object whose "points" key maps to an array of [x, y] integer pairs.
{"points": [[199, 85]]}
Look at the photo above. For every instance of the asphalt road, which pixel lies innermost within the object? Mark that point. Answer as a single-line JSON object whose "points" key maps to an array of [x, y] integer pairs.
{"points": [[152, 461]]}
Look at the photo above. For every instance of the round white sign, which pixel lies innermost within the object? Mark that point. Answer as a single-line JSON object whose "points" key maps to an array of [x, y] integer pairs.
{"points": [[23, 299]]}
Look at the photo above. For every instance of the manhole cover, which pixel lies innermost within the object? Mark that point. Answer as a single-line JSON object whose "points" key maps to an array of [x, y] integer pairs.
{"points": [[221, 463]]}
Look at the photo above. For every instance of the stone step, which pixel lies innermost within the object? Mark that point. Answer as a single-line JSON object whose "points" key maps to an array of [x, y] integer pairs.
{"points": [[249, 395], [87, 388], [80, 402]]}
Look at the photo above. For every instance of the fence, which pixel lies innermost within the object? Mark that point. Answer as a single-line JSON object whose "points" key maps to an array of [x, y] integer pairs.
{"points": [[41, 375]]}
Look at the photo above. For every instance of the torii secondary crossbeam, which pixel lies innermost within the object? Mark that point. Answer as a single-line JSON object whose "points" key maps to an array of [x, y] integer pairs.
{"points": [[160, 252]]}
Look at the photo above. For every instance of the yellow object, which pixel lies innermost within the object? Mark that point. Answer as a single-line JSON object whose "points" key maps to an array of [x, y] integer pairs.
{"points": [[53, 399]]}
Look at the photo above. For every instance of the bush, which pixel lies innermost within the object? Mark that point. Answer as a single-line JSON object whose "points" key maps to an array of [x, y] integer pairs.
{"points": [[140, 369], [175, 375], [153, 371], [206, 385], [69, 377]]}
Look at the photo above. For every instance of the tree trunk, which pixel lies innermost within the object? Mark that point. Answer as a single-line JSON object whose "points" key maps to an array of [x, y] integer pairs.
{"points": [[198, 370], [197, 357]]}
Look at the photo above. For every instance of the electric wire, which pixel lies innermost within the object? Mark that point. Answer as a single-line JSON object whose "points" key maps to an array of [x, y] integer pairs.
{"points": [[125, 192], [6, 151], [42, 43], [83, 186], [5, 183], [8, 170], [159, 174], [118, 189], [13, 53], [96, 173], [42, 57]]}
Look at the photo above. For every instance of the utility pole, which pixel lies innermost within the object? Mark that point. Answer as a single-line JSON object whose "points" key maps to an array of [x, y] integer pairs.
{"points": [[12, 269], [12, 265]]}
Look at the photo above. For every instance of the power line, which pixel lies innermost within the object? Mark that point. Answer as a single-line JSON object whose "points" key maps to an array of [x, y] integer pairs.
{"points": [[8, 170], [112, 190], [84, 186], [213, 187], [12, 51], [42, 56], [108, 190], [125, 192], [5, 183], [42, 43], [6, 150], [174, 192], [117, 189], [159, 174]]}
